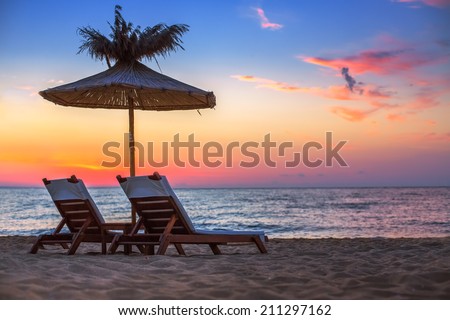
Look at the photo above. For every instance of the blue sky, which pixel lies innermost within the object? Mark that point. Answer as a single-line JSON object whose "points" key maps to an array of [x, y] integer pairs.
{"points": [[275, 66]]}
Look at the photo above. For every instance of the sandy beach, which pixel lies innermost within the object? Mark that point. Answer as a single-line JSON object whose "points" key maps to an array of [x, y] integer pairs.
{"points": [[293, 269]]}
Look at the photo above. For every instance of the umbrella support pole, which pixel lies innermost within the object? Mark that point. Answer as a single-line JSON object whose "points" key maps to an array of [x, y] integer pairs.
{"points": [[132, 148], [131, 137]]}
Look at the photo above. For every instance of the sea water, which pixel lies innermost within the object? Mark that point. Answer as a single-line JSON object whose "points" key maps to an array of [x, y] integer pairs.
{"points": [[281, 213]]}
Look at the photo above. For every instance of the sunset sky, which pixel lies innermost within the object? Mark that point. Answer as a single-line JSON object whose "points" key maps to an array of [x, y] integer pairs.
{"points": [[375, 73]]}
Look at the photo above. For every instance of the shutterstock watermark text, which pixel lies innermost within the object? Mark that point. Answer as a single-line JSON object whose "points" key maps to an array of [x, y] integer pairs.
{"points": [[212, 154]]}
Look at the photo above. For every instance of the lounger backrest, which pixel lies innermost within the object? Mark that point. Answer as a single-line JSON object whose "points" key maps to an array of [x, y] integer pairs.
{"points": [[74, 203], [151, 196]]}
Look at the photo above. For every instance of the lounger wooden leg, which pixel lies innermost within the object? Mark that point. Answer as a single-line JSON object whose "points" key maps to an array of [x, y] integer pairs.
{"points": [[36, 245], [75, 243], [146, 249], [149, 250], [103, 246], [141, 248], [180, 249], [260, 245], [164, 243], [127, 248], [166, 237], [114, 244], [215, 248], [78, 238], [65, 246]]}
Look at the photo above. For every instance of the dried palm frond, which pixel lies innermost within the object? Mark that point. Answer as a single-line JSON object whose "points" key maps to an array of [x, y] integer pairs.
{"points": [[127, 43]]}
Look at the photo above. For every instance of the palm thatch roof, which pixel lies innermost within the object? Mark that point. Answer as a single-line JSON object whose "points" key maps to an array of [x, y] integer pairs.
{"points": [[113, 88]]}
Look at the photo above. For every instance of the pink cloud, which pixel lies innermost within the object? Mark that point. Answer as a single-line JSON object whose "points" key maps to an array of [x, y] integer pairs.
{"points": [[332, 92], [351, 114], [396, 117], [424, 99], [264, 21], [341, 92], [433, 136], [432, 3], [53, 81], [374, 61], [274, 85], [357, 115], [25, 88], [361, 92], [338, 93], [248, 78], [32, 91]]}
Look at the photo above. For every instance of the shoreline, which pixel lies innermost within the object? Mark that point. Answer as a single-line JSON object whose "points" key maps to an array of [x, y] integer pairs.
{"points": [[326, 268]]}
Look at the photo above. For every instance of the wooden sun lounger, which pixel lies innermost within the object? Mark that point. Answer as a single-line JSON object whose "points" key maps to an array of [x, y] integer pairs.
{"points": [[166, 222], [81, 216]]}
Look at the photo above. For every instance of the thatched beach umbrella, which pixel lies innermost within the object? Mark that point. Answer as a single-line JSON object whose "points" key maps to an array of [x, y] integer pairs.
{"points": [[129, 84]]}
